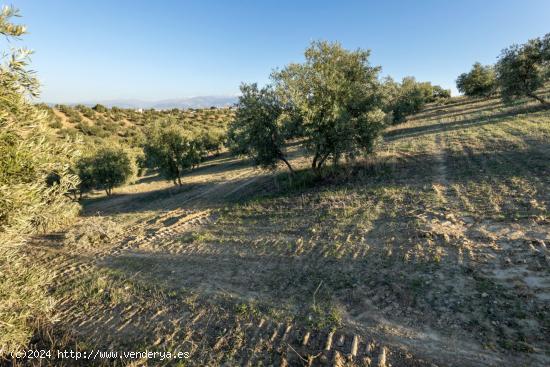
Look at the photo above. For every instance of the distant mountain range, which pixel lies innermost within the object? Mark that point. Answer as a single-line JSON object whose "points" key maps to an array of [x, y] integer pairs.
{"points": [[182, 103]]}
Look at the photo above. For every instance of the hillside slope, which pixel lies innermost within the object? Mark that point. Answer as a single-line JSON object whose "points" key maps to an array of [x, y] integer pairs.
{"points": [[125, 125], [433, 252]]}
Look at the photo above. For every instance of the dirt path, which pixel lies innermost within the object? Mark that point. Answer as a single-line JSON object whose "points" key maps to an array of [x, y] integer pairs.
{"points": [[191, 208]]}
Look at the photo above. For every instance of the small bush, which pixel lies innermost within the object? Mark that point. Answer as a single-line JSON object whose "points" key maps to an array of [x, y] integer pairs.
{"points": [[56, 124], [99, 108], [411, 96]]}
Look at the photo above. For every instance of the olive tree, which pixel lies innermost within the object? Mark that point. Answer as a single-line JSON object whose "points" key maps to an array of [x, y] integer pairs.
{"points": [[411, 98], [34, 178], [336, 97], [212, 140], [257, 129], [523, 69], [440, 93], [99, 108], [172, 150], [478, 82], [84, 168], [105, 169], [29, 152]]}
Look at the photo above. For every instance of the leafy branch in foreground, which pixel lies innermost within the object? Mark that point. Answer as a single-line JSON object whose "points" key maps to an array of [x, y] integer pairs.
{"points": [[34, 180]]}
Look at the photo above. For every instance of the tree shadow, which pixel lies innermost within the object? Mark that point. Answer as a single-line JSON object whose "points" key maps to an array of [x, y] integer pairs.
{"points": [[203, 195], [444, 111], [133, 202], [421, 171], [463, 112], [496, 118]]}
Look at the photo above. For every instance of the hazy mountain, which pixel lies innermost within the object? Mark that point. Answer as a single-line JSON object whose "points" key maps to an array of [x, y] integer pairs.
{"points": [[197, 102], [191, 102]]}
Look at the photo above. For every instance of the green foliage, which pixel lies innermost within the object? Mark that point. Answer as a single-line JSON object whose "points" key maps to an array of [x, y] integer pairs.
{"points": [[56, 124], [34, 178], [478, 82], [125, 127], [337, 99], [72, 114], [172, 149], [99, 108], [412, 96], [91, 130], [84, 168], [86, 111], [256, 131], [438, 93], [522, 69], [106, 169], [213, 140], [28, 153]]}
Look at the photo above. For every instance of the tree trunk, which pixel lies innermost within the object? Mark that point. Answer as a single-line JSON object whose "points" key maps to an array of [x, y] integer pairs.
{"points": [[336, 160], [539, 98], [179, 181], [314, 162], [318, 164], [291, 170], [287, 164], [322, 161]]}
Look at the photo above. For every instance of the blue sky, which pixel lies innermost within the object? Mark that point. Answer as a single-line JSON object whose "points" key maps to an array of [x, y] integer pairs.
{"points": [[120, 49]]}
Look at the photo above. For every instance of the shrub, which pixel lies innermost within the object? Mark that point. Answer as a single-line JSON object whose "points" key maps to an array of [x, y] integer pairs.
{"points": [[56, 124], [84, 168], [71, 114], [478, 82], [412, 96], [212, 140], [440, 94], [91, 130], [99, 108]]}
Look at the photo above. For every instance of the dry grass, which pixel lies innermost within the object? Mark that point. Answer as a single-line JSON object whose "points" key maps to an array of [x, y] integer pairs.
{"points": [[24, 304]]}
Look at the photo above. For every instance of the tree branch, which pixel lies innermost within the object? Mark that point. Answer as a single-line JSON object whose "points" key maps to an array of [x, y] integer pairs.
{"points": [[538, 98]]}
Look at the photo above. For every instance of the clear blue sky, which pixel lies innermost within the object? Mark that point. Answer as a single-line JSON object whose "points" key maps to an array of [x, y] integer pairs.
{"points": [[97, 50]]}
